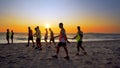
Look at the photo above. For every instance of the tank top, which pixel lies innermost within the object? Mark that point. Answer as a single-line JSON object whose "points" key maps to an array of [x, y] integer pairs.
{"points": [[79, 36], [62, 37], [30, 33]]}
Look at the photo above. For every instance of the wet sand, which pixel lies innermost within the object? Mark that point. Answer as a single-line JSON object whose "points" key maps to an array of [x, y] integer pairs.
{"points": [[101, 54]]}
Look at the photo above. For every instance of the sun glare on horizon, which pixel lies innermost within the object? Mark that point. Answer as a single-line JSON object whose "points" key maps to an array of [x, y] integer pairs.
{"points": [[47, 26]]}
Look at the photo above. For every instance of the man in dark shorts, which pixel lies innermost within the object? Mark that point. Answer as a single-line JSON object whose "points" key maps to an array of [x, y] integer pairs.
{"points": [[63, 40], [79, 37], [51, 36], [38, 38], [30, 36], [46, 36]]}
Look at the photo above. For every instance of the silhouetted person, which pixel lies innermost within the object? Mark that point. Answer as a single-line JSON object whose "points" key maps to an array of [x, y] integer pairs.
{"points": [[38, 38], [46, 36], [62, 42], [79, 37], [12, 36], [7, 36], [30, 36], [51, 36]]}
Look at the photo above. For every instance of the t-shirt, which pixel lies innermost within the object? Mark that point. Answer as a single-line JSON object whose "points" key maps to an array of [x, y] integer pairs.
{"points": [[62, 37], [38, 34]]}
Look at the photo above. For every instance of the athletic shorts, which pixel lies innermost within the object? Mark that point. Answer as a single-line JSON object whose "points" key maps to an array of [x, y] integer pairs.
{"points": [[30, 38], [51, 39], [79, 43], [7, 37], [61, 44], [38, 40], [45, 38]]}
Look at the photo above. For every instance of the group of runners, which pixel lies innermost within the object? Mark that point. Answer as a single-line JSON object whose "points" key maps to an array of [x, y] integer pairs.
{"points": [[37, 34], [62, 40]]}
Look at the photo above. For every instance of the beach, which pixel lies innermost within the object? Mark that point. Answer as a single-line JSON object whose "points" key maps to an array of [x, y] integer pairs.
{"points": [[100, 54]]}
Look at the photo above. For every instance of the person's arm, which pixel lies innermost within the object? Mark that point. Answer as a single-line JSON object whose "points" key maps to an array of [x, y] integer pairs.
{"points": [[56, 36], [34, 34], [74, 37], [68, 41]]}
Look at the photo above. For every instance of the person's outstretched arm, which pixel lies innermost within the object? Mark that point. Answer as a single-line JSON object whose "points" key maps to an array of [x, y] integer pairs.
{"points": [[56, 36], [74, 37]]}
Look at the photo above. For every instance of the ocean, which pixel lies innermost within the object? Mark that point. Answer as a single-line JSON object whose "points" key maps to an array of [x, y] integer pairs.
{"points": [[22, 37]]}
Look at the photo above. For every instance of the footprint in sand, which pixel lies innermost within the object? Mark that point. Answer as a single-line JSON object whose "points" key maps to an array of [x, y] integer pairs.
{"points": [[116, 66], [109, 59], [8, 55], [88, 62], [21, 57], [2, 58], [11, 62], [109, 62]]}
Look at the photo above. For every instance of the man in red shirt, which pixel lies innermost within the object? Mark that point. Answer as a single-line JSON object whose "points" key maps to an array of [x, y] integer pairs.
{"points": [[62, 42]]}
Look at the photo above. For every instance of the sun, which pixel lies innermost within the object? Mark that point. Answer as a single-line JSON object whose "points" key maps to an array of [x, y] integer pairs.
{"points": [[47, 26]]}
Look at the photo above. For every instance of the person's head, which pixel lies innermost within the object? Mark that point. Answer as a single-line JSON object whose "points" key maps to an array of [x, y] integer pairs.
{"points": [[78, 27], [7, 30], [45, 29], [11, 30], [29, 27], [60, 25], [35, 29], [49, 29]]}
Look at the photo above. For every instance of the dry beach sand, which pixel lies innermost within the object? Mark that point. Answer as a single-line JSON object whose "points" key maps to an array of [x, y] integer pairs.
{"points": [[101, 54]]}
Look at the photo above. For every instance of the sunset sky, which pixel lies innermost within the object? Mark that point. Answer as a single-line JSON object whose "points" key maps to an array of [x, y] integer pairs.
{"points": [[101, 16]]}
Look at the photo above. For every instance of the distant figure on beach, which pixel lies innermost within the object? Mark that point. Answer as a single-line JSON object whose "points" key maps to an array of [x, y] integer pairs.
{"points": [[7, 36], [46, 36], [79, 37], [30, 36], [62, 42], [38, 38], [12, 36], [51, 36]]}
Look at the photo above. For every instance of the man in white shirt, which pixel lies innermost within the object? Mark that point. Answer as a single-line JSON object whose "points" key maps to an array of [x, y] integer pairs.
{"points": [[62, 42]]}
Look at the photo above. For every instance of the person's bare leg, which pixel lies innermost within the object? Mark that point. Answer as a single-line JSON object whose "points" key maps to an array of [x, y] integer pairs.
{"points": [[78, 49], [83, 50], [66, 51], [33, 43], [8, 41], [57, 52], [66, 57], [28, 42], [54, 42]]}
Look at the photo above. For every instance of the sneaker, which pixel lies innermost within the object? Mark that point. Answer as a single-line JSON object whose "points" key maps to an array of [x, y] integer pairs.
{"points": [[55, 56], [27, 45], [40, 48], [67, 57], [36, 47], [33, 46], [49, 46], [77, 54], [85, 53]]}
